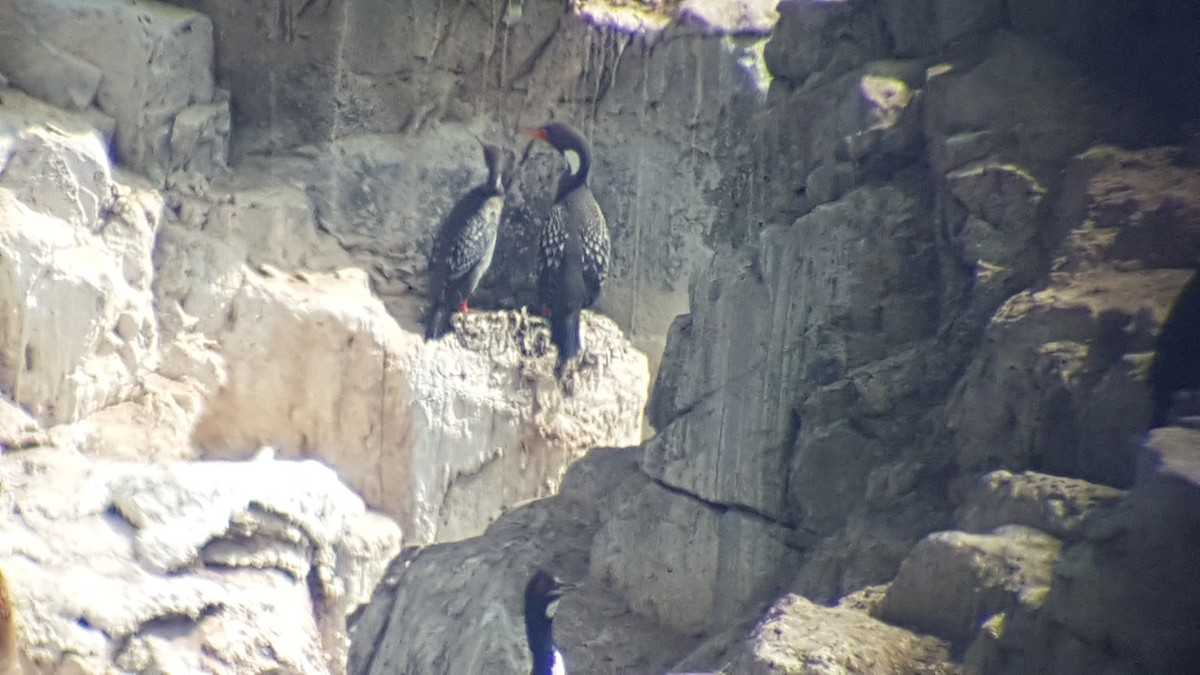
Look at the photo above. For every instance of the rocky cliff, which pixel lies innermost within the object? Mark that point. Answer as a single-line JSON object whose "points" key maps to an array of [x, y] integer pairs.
{"points": [[922, 344], [898, 269], [168, 316]]}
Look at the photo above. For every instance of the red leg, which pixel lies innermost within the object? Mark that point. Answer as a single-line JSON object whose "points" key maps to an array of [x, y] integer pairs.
{"points": [[462, 306], [545, 312]]}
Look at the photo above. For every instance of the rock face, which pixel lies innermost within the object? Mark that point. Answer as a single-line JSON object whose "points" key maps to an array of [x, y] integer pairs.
{"points": [[165, 110], [441, 436], [908, 259], [952, 581], [188, 312], [797, 636], [472, 589], [174, 567], [931, 310], [389, 99]]}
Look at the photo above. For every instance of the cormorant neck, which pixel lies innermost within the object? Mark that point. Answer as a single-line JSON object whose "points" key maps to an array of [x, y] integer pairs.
{"points": [[539, 632], [579, 163], [495, 179]]}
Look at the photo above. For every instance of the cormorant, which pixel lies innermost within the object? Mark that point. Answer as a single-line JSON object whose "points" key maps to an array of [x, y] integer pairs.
{"points": [[463, 249], [541, 600], [573, 249]]}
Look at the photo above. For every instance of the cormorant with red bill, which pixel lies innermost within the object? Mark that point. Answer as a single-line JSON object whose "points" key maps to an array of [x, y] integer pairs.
{"points": [[573, 249]]}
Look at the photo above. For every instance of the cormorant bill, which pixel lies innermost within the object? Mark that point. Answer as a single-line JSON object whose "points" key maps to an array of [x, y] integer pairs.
{"points": [[541, 600], [463, 249], [573, 249]]}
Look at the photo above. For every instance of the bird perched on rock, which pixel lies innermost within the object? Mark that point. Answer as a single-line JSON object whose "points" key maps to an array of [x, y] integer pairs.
{"points": [[541, 599], [573, 249], [463, 249]]}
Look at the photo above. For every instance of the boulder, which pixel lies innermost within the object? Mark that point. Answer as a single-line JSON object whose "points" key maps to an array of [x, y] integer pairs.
{"points": [[142, 63], [209, 566], [1057, 384], [440, 435], [952, 582], [816, 38], [81, 329], [1054, 504], [797, 637], [1123, 597]]}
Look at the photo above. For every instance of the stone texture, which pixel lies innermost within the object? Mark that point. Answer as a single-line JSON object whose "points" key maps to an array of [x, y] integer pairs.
{"points": [[80, 330], [798, 637], [213, 567], [1054, 504], [690, 565], [901, 179], [818, 38], [858, 271], [953, 581], [1121, 598], [1132, 206], [1064, 361], [396, 144], [999, 162], [929, 26], [417, 428], [143, 63], [456, 608], [1052, 110]]}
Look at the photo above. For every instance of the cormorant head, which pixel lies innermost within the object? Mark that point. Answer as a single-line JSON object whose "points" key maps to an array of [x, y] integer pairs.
{"points": [[569, 142], [541, 596], [493, 158], [541, 600]]}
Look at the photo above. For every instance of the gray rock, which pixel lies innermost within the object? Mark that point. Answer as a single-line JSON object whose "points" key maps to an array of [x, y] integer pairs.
{"points": [[200, 137], [929, 26], [1122, 599], [154, 61], [1050, 110], [1001, 226], [456, 608], [843, 285], [799, 638], [1056, 384], [200, 566], [42, 69], [814, 37], [953, 581], [63, 175], [690, 565], [1125, 206], [1053, 504]]}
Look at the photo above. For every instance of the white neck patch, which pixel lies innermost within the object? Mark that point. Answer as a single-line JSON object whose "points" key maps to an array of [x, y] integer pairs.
{"points": [[551, 608], [572, 158]]}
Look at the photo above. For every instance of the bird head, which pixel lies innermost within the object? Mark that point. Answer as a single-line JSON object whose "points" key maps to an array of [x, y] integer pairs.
{"points": [[567, 141], [493, 158], [542, 594]]}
